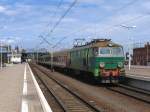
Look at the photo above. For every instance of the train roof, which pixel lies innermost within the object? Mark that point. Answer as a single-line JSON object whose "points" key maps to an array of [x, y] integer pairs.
{"points": [[97, 43], [44, 56], [92, 44], [62, 52]]}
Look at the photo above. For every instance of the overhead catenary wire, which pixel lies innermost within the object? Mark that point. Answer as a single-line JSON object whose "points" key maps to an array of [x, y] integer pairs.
{"points": [[108, 28], [126, 21], [60, 19], [54, 14], [45, 40], [116, 11], [63, 16], [84, 28], [73, 3], [126, 5]]}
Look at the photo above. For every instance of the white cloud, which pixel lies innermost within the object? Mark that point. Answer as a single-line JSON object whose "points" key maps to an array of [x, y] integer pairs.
{"points": [[5, 10], [2, 9], [91, 1], [98, 16], [146, 5], [7, 41], [12, 10], [69, 20]]}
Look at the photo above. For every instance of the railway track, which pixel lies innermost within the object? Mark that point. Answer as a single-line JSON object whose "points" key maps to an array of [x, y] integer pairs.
{"points": [[133, 92], [67, 99]]}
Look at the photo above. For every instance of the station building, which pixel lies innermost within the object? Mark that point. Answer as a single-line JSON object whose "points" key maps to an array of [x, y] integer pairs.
{"points": [[141, 55], [9, 55]]}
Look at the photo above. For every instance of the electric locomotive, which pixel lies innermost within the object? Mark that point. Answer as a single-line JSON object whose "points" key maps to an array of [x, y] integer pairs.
{"points": [[100, 59]]}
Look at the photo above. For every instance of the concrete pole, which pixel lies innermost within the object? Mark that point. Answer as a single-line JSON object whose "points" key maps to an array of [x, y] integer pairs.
{"points": [[12, 55], [128, 28], [8, 55], [147, 53], [37, 56], [129, 58], [130, 50], [130, 43], [33, 57], [52, 60], [1, 56]]}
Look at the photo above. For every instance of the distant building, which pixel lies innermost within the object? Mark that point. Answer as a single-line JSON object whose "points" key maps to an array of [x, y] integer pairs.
{"points": [[16, 58], [141, 56], [9, 55], [17, 49], [5, 51]]}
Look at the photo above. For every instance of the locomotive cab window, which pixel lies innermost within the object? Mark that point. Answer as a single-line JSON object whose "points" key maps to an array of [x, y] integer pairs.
{"points": [[105, 51], [117, 51], [111, 51]]}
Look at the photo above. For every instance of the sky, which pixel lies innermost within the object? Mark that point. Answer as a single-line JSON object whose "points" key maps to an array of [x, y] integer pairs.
{"points": [[22, 22]]}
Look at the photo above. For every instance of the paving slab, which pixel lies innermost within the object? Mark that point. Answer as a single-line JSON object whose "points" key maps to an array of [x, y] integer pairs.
{"points": [[14, 93], [140, 72]]}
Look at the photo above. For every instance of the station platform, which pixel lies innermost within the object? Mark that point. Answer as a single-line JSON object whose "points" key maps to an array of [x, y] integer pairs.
{"points": [[19, 91], [138, 72]]}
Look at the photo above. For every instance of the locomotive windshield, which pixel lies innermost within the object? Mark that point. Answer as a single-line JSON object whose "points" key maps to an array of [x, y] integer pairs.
{"points": [[117, 51], [105, 51], [111, 51]]}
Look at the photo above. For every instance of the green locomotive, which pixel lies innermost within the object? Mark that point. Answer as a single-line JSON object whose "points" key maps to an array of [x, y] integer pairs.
{"points": [[100, 59]]}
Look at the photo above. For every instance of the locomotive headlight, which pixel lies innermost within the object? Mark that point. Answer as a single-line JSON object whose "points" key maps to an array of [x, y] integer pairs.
{"points": [[120, 64], [101, 64]]}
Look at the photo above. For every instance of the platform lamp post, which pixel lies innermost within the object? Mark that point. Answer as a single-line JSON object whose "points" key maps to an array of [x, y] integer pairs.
{"points": [[128, 28]]}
